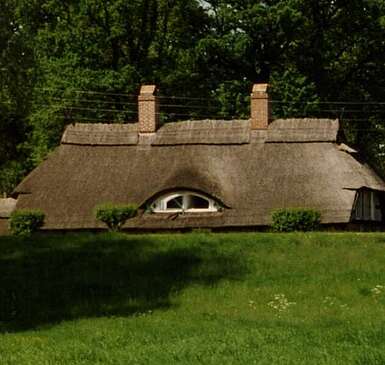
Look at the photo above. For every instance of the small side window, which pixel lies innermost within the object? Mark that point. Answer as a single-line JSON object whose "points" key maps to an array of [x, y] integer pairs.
{"points": [[367, 206]]}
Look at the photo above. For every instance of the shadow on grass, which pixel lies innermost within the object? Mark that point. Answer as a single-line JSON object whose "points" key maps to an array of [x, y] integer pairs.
{"points": [[55, 278]]}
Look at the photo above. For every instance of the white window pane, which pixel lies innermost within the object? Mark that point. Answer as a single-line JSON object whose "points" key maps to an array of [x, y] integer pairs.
{"points": [[176, 203], [197, 202]]}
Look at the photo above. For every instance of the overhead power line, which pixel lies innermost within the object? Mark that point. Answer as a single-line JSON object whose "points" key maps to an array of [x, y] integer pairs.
{"points": [[93, 109], [188, 115], [92, 101], [85, 92], [212, 98], [75, 119], [215, 101], [187, 98], [207, 107], [330, 102]]}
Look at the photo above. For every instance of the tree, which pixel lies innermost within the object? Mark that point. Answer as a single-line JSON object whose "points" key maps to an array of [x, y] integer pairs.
{"points": [[84, 60], [16, 68]]}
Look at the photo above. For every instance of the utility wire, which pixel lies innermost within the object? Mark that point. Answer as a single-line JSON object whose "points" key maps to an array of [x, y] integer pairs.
{"points": [[93, 119], [191, 115], [93, 101], [187, 98], [329, 102], [209, 115], [86, 92], [204, 107], [215, 100], [310, 103], [93, 109], [209, 99]]}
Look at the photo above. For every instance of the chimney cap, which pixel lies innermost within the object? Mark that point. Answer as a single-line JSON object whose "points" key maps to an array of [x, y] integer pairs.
{"points": [[148, 90], [261, 88]]}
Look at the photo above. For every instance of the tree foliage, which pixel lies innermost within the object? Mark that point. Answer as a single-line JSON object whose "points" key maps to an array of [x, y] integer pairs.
{"points": [[312, 52], [16, 77]]}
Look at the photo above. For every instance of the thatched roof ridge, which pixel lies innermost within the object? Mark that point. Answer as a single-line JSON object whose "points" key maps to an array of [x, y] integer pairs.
{"points": [[101, 134], [7, 206], [303, 130], [210, 132], [203, 132]]}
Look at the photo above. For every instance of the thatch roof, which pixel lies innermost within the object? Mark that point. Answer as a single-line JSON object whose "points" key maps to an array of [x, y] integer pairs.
{"points": [[211, 132], [303, 130], [7, 206], [249, 176], [204, 132], [101, 134]]}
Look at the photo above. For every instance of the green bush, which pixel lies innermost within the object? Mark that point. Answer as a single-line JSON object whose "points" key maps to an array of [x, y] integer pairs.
{"points": [[114, 216], [295, 219], [24, 222]]}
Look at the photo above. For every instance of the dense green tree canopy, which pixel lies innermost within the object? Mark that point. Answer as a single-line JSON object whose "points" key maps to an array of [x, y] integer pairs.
{"points": [[84, 60]]}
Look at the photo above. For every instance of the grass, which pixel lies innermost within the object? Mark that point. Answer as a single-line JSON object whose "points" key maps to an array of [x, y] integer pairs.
{"points": [[199, 298]]}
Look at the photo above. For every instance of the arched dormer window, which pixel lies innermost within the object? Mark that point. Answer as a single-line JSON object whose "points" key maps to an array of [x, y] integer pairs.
{"points": [[184, 201]]}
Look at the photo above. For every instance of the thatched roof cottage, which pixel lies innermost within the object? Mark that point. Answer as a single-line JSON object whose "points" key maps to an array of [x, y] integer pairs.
{"points": [[206, 173]]}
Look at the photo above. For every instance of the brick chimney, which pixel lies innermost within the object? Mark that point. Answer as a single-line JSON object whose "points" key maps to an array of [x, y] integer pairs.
{"points": [[260, 106], [148, 109]]}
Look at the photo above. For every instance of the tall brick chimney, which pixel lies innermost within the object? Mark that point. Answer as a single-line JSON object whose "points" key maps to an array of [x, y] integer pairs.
{"points": [[148, 109], [260, 106]]}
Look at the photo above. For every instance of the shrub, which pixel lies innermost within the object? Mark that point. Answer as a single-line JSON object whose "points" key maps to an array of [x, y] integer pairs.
{"points": [[114, 216], [289, 220], [24, 222]]}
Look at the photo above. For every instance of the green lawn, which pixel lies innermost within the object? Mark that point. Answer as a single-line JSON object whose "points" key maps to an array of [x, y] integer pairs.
{"points": [[200, 298]]}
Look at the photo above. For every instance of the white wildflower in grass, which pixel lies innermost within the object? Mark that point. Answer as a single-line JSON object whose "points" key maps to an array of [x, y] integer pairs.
{"points": [[280, 303], [377, 290], [329, 301], [143, 314], [252, 304], [333, 302]]}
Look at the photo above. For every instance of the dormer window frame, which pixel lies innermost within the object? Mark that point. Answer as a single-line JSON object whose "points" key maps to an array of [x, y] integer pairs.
{"points": [[161, 204]]}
